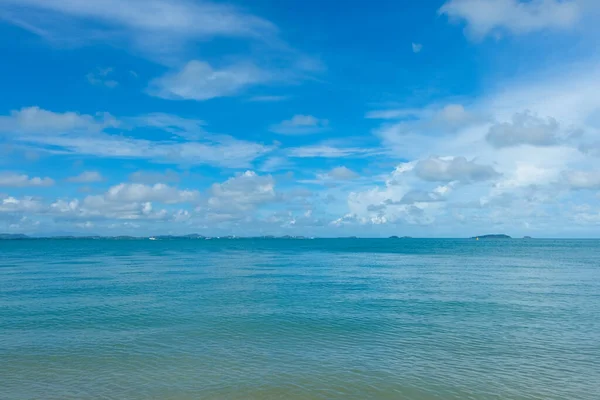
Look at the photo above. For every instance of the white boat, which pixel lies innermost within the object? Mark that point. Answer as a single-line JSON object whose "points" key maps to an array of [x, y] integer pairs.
{"points": [[152, 238]]}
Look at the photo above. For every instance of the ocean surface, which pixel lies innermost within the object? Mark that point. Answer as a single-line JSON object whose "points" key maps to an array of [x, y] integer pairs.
{"points": [[300, 319]]}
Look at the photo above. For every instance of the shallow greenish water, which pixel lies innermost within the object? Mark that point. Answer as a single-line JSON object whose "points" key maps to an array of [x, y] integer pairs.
{"points": [[300, 319]]}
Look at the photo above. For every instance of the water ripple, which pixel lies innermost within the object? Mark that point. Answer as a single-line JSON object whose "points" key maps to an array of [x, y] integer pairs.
{"points": [[319, 319]]}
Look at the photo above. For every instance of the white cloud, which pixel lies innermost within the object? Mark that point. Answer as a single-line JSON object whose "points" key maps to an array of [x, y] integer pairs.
{"points": [[423, 129], [437, 169], [394, 113], [86, 177], [224, 152], [85, 225], [526, 174], [197, 80], [100, 76], [300, 125], [454, 115], [485, 17], [25, 204], [276, 164], [21, 180], [101, 208], [185, 127], [158, 28], [125, 201], [152, 177], [40, 121], [242, 193], [159, 192], [517, 181], [417, 47], [593, 149], [73, 133], [170, 32], [339, 173], [524, 129], [380, 206], [268, 99], [327, 151], [420, 196], [582, 179]]}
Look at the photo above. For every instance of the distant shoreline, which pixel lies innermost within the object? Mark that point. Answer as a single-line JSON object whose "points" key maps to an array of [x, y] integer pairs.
{"points": [[17, 237]]}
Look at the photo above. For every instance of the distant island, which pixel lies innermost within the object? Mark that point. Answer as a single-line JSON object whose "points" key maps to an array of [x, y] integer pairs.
{"points": [[527, 237], [493, 236], [193, 236], [10, 236]]}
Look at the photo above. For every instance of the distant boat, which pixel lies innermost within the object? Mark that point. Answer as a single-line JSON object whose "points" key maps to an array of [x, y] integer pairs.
{"points": [[152, 238]]}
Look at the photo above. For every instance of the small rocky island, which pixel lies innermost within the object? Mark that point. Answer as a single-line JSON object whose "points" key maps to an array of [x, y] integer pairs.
{"points": [[493, 236]]}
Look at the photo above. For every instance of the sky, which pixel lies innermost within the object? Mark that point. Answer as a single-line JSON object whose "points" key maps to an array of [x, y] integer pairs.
{"points": [[437, 118]]}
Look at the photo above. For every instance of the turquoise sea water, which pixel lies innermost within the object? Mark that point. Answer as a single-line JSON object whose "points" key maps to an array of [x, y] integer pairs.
{"points": [[300, 319]]}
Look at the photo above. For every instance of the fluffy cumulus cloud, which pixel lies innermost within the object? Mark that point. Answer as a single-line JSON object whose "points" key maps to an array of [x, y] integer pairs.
{"points": [[123, 202], [402, 199], [407, 129], [99, 208], [159, 192], [443, 169], [19, 205], [242, 193], [582, 179], [22, 180], [520, 159], [485, 17], [300, 125], [525, 129]]}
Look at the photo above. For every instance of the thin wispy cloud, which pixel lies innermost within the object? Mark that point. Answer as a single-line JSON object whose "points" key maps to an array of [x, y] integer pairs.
{"points": [[157, 28], [484, 17], [102, 77], [197, 80], [268, 99], [300, 125], [11, 179], [60, 133]]}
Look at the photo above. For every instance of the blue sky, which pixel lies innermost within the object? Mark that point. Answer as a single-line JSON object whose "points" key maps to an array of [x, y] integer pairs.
{"points": [[434, 118]]}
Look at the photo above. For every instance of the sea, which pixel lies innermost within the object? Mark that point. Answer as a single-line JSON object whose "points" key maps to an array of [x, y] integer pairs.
{"points": [[418, 319]]}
